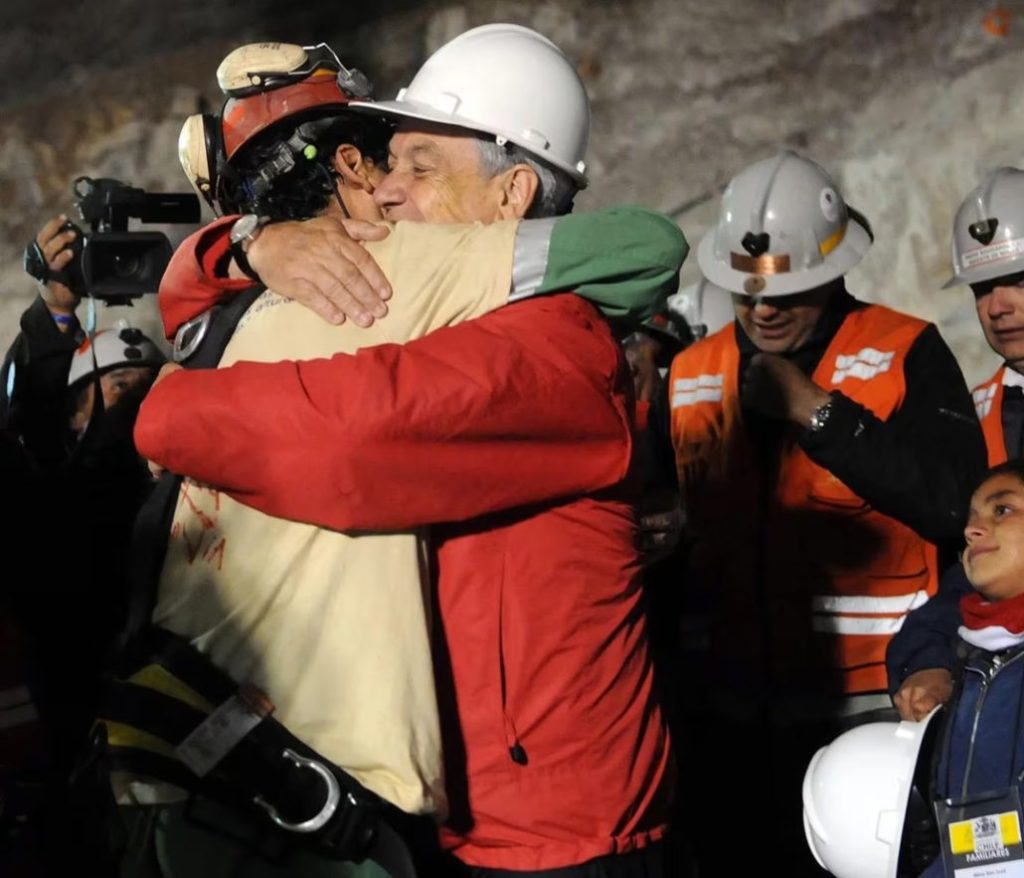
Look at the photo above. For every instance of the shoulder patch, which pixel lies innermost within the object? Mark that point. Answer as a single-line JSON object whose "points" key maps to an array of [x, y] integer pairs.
{"points": [[983, 397], [865, 364]]}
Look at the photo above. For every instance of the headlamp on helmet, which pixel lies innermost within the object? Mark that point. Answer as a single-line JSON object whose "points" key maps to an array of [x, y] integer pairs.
{"points": [[988, 232], [783, 228], [267, 84], [261, 67]]}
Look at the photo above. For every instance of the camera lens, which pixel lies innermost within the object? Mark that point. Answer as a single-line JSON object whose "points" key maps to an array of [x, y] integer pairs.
{"points": [[127, 265], [124, 264]]}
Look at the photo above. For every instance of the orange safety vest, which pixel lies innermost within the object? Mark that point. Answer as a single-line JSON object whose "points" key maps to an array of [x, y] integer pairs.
{"points": [[988, 403], [803, 581]]}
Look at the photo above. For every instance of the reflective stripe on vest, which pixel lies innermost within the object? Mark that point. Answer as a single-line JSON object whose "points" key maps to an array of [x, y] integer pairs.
{"points": [[690, 391], [834, 576], [860, 615]]}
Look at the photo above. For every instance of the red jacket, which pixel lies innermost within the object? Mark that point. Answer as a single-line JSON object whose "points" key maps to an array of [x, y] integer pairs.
{"points": [[556, 749], [189, 286]]}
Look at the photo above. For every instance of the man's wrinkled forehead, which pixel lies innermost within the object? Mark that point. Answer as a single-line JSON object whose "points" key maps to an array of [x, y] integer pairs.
{"points": [[414, 137]]}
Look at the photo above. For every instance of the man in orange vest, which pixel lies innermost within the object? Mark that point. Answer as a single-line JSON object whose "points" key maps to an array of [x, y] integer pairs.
{"points": [[823, 447], [988, 256]]}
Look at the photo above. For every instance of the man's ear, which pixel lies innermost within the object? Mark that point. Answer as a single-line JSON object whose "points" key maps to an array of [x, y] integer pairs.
{"points": [[519, 187], [352, 168]]}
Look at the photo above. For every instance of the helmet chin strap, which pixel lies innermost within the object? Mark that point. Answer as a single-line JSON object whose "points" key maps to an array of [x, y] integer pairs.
{"points": [[341, 204], [337, 195]]}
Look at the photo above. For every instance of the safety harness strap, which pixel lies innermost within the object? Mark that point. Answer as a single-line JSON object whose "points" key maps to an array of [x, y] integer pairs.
{"points": [[169, 709], [153, 523]]}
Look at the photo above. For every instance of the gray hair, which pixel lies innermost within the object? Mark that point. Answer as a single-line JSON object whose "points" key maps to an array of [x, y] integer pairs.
{"points": [[556, 189]]}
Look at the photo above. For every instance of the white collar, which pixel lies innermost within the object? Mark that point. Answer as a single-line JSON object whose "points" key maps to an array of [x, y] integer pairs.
{"points": [[1012, 378]]}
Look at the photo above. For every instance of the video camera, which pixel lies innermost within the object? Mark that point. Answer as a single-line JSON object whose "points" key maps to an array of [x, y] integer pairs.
{"points": [[111, 263]]}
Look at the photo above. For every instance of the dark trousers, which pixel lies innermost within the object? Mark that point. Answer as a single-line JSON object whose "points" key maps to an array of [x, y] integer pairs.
{"points": [[739, 804]]}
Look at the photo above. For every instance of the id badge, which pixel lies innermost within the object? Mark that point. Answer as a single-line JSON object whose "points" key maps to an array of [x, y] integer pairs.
{"points": [[981, 835]]}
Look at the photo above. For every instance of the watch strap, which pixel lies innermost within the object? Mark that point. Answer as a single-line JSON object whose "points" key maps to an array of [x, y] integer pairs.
{"points": [[238, 245]]}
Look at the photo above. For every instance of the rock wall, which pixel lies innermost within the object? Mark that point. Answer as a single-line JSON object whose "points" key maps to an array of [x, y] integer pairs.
{"points": [[907, 103]]}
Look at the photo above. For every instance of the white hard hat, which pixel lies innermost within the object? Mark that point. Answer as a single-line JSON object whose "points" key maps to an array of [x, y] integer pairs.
{"points": [[856, 792], [121, 346], [704, 306], [783, 228], [988, 232], [507, 81]]}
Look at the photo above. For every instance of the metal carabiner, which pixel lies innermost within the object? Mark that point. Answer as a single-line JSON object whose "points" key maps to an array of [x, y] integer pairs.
{"points": [[318, 821], [190, 335]]}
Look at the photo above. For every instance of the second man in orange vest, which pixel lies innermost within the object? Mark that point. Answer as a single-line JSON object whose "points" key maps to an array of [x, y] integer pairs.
{"points": [[823, 447]]}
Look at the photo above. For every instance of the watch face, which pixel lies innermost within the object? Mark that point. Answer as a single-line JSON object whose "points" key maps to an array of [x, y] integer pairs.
{"points": [[243, 227]]}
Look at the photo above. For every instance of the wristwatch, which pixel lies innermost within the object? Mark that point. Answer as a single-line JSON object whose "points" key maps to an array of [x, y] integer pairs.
{"points": [[245, 230], [820, 416]]}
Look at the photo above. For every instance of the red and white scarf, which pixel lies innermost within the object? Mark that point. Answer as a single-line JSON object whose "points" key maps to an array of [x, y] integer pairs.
{"points": [[992, 625]]}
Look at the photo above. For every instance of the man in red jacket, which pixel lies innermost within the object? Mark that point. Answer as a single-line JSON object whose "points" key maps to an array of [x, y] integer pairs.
{"points": [[511, 435]]}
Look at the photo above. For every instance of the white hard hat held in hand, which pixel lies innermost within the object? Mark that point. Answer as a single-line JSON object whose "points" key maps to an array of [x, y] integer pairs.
{"points": [[856, 792]]}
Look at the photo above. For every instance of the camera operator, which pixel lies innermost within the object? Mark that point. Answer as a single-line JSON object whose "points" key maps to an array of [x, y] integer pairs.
{"points": [[33, 397], [71, 399]]}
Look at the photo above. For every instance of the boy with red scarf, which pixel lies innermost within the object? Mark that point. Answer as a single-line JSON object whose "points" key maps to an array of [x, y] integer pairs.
{"points": [[982, 751]]}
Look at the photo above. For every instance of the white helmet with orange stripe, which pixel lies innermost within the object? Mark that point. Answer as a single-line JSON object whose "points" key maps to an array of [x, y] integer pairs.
{"points": [[783, 228]]}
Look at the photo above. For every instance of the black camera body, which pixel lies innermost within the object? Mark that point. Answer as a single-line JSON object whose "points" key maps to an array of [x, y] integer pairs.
{"points": [[110, 262]]}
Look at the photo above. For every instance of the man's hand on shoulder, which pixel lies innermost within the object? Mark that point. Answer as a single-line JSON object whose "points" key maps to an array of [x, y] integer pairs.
{"points": [[923, 691], [322, 264]]}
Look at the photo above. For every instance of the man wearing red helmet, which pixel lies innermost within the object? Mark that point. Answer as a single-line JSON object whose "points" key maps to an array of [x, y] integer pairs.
{"points": [[534, 397]]}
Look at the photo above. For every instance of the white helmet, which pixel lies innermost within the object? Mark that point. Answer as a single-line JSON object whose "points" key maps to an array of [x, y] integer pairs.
{"points": [[705, 307], [783, 228], [988, 232], [856, 792], [121, 346], [507, 81]]}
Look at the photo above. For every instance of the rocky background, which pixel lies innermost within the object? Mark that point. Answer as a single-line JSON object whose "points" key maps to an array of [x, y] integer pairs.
{"points": [[907, 103]]}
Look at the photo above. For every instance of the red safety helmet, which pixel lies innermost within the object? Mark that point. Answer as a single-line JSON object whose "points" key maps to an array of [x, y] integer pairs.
{"points": [[265, 83]]}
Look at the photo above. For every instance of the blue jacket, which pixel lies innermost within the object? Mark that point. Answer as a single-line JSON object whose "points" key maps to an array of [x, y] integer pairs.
{"points": [[981, 748], [982, 745]]}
